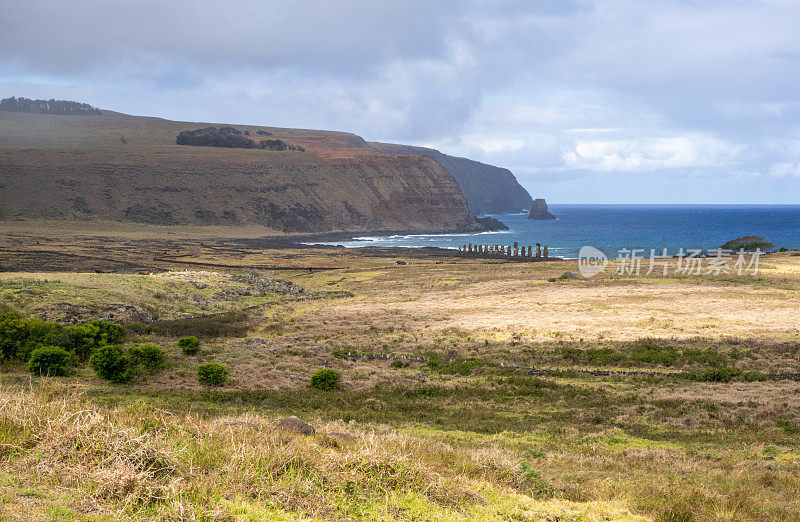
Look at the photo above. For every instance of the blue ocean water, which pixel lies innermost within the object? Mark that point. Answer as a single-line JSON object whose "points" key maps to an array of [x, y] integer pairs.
{"points": [[611, 228]]}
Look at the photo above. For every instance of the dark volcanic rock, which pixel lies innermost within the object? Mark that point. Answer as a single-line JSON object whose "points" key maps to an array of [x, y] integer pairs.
{"points": [[295, 425], [539, 210], [341, 437], [68, 313]]}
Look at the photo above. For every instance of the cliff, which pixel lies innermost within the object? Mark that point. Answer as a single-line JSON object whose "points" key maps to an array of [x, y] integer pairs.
{"points": [[114, 166], [488, 189], [539, 210]]}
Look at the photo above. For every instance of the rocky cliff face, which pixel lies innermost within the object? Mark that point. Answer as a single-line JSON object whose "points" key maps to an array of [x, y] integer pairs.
{"points": [[488, 189], [119, 167], [539, 210]]}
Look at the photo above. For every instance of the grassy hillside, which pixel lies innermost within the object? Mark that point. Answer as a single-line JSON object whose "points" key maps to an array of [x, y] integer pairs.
{"points": [[488, 189], [471, 389], [119, 167]]}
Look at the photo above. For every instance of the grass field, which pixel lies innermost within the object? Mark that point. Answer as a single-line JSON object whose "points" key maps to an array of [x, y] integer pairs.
{"points": [[447, 423]]}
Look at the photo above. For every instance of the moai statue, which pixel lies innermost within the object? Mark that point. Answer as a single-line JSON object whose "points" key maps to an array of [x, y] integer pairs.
{"points": [[545, 252], [469, 248], [538, 250], [529, 250], [516, 249], [508, 251], [496, 249]]}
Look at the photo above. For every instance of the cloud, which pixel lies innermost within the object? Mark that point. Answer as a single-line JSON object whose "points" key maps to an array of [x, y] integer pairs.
{"points": [[677, 152], [785, 169]]}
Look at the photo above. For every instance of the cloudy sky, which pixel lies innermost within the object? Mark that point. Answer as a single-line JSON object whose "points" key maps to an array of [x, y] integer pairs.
{"points": [[618, 101]]}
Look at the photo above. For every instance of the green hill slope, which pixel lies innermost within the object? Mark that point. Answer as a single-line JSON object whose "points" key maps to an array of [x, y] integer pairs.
{"points": [[118, 167]]}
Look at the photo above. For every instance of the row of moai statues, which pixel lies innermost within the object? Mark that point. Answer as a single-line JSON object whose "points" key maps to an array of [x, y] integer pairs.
{"points": [[505, 251]]}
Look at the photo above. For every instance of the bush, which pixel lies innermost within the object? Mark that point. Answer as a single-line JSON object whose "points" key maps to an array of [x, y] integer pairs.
{"points": [[212, 374], [49, 360], [748, 244], [67, 107], [13, 333], [41, 333], [189, 345], [325, 380], [107, 332], [148, 357], [84, 339], [110, 362], [716, 375], [215, 137], [19, 336]]}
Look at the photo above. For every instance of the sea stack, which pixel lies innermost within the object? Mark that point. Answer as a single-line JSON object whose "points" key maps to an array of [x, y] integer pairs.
{"points": [[539, 210]]}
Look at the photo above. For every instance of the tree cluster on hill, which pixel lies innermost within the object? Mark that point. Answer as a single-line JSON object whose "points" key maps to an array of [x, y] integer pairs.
{"points": [[278, 145], [229, 137], [748, 244], [66, 107]]}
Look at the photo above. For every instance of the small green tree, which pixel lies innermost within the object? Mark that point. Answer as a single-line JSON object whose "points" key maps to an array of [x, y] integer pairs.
{"points": [[325, 380], [49, 360], [148, 357], [111, 362], [212, 374], [189, 345], [13, 333]]}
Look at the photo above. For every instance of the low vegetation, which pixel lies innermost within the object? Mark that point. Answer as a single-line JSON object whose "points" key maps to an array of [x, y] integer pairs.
{"points": [[49, 360], [325, 380], [748, 244], [62, 107], [212, 374], [230, 137], [189, 345], [436, 403]]}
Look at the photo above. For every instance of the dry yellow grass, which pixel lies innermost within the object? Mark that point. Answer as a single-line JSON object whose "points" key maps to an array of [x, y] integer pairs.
{"points": [[69, 458]]}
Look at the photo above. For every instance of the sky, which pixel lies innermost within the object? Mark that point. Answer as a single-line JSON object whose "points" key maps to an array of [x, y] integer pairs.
{"points": [[618, 101]]}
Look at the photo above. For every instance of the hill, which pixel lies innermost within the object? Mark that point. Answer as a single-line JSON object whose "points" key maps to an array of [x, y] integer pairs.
{"points": [[488, 189], [114, 166]]}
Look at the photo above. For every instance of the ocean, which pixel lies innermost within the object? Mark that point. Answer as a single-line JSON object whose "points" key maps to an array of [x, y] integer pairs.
{"points": [[611, 228]]}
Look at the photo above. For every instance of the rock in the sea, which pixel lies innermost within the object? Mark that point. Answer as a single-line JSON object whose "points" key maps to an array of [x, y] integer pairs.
{"points": [[295, 425], [539, 210]]}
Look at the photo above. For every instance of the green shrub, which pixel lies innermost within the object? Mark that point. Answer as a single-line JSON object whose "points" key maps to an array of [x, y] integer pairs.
{"points": [[189, 345], [41, 333], [457, 366], [212, 374], [148, 357], [49, 360], [716, 375], [397, 363], [84, 339], [110, 362], [13, 332], [108, 333], [325, 380], [748, 244]]}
